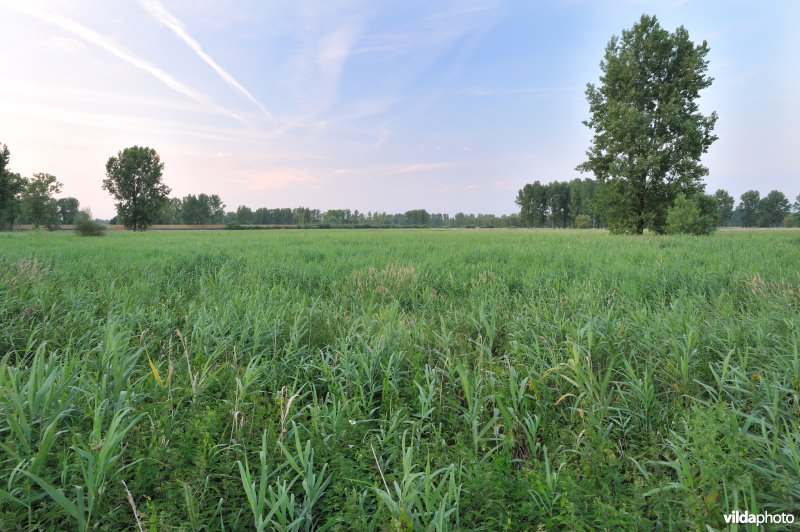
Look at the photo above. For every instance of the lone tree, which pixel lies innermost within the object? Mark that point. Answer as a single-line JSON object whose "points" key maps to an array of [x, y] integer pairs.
{"points": [[648, 132], [133, 177]]}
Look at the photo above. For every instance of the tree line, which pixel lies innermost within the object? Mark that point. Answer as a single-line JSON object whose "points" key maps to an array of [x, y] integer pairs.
{"points": [[31, 200], [578, 204], [134, 177], [773, 210], [305, 217], [560, 204], [204, 209]]}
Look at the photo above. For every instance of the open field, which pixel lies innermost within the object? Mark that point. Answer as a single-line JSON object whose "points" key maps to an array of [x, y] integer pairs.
{"points": [[363, 380]]}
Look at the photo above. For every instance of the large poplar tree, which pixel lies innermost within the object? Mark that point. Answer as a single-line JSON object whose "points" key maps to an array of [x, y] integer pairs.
{"points": [[649, 134]]}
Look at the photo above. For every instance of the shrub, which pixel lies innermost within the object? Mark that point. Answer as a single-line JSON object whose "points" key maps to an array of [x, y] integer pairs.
{"points": [[790, 220], [694, 215], [86, 226], [582, 221]]}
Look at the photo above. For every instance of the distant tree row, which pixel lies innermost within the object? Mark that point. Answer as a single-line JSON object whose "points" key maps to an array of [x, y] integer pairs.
{"points": [[559, 204], [305, 217], [134, 179], [193, 210], [773, 210], [579, 204], [31, 200]]}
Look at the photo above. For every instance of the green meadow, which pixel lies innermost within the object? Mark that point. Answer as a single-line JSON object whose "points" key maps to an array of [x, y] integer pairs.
{"points": [[397, 379]]}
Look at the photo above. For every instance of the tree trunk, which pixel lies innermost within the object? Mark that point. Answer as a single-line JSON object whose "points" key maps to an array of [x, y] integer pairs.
{"points": [[639, 202]]}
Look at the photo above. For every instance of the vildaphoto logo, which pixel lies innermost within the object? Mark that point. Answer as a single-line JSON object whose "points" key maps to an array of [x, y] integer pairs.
{"points": [[746, 518]]}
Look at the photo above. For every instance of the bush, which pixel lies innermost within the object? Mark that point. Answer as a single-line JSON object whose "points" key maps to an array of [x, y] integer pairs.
{"points": [[694, 215], [582, 221], [790, 220], [86, 226]]}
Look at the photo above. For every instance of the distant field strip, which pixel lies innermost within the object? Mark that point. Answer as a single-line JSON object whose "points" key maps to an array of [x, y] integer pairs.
{"points": [[116, 227]]}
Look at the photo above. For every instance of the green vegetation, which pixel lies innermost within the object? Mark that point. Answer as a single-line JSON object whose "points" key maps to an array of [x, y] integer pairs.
{"points": [[694, 215], [368, 380], [85, 225]]}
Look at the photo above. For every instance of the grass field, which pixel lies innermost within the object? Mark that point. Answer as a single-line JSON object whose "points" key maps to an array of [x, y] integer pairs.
{"points": [[481, 379]]}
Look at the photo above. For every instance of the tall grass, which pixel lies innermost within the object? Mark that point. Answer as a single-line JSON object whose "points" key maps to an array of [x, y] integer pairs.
{"points": [[398, 380]]}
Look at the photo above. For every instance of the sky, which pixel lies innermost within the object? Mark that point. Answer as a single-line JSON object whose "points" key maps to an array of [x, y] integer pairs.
{"points": [[449, 106]]}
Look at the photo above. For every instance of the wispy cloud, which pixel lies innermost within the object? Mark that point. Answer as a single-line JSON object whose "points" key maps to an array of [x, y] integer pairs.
{"points": [[48, 16], [160, 13], [435, 32], [273, 178], [404, 168], [334, 50], [66, 44]]}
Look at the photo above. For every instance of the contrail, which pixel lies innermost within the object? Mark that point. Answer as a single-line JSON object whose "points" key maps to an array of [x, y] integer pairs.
{"points": [[116, 50], [160, 13]]}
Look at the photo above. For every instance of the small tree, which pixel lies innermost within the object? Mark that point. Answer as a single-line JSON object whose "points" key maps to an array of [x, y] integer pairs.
{"points": [[774, 208], [583, 221], [694, 215], [86, 226], [39, 205], [418, 217], [725, 203], [133, 177], [533, 202], [68, 208], [750, 208], [244, 215], [216, 209]]}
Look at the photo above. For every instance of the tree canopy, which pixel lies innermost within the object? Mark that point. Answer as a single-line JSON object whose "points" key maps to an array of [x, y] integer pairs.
{"points": [[725, 203], [649, 134], [750, 208], [133, 177], [11, 187], [774, 207], [39, 205], [558, 203], [68, 208], [694, 215]]}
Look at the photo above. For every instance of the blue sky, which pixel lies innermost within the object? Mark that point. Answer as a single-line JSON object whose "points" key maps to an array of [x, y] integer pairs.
{"points": [[448, 106]]}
